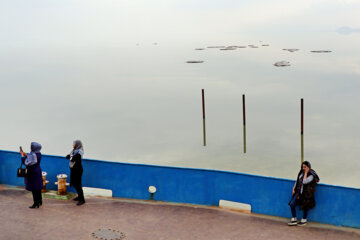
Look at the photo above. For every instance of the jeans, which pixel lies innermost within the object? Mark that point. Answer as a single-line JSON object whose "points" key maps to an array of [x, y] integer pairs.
{"points": [[293, 203]]}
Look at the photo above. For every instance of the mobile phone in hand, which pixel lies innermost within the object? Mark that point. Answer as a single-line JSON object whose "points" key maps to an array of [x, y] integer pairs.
{"points": [[21, 149]]}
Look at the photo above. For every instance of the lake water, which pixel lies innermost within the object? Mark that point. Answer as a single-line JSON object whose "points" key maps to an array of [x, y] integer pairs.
{"points": [[142, 103]]}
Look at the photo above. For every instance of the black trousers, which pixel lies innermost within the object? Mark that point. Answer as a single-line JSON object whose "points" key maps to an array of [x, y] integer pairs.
{"points": [[79, 192], [37, 197]]}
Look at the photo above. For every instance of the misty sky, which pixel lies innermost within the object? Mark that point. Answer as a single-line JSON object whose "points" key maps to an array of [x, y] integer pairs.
{"points": [[24, 23]]}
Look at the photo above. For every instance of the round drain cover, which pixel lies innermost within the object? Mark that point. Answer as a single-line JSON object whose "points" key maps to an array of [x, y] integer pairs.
{"points": [[108, 234]]}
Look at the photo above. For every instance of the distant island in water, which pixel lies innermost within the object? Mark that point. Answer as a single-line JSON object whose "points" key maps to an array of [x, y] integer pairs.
{"points": [[345, 30]]}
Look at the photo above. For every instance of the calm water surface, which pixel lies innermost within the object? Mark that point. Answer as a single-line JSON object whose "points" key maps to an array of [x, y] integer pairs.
{"points": [[142, 104]]}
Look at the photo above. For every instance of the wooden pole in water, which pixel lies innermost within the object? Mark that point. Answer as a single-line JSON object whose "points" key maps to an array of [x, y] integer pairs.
{"points": [[302, 130], [203, 110], [244, 122]]}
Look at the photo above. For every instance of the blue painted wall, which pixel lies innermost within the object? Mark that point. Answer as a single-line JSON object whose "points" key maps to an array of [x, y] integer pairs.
{"points": [[335, 205]]}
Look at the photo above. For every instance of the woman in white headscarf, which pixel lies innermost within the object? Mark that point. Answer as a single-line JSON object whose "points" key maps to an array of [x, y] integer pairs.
{"points": [[76, 170]]}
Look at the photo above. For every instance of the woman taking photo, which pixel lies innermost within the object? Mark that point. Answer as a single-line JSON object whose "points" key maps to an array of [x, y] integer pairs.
{"points": [[303, 193], [76, 170], [33, 180]]}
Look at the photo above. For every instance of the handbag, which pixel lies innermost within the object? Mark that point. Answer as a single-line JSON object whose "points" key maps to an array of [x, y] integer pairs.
{"points": [[22, 172]]}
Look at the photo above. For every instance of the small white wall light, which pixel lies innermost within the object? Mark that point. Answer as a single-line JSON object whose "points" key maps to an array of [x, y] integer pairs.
{"points": [[152, 191]]}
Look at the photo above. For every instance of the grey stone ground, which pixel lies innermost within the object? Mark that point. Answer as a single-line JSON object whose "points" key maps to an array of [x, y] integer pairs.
{"points": [[140, 220]]}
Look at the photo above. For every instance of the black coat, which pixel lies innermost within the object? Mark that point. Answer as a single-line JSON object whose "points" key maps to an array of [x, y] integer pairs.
{"points": [[76, 171], [33, 180], [307, 199]]}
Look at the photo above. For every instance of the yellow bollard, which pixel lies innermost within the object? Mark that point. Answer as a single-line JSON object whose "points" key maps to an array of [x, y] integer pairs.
{"points": [[44, 182], [62, 184]]}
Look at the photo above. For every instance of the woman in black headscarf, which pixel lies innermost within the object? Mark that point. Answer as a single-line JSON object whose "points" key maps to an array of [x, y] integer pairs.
{"points": [[303, 193], [76, 170], [33, 180]]}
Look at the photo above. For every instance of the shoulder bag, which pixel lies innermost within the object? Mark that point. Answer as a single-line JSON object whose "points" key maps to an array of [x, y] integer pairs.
{"points": [[22, 172]]}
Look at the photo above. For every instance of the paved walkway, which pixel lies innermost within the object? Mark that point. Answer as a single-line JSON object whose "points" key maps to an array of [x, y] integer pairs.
{"points": [[140, 220]]}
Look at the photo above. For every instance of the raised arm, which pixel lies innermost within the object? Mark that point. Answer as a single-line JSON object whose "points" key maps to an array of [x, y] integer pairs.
{"points": [[308, 179]]}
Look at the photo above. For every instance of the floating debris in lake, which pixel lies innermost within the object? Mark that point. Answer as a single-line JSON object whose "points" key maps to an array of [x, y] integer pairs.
{"points": [[194, 61], [228, 48], [282, 64], [265, 45], [253, 46], [199, 48], [291, 49], [321, 51], [233, 47]]}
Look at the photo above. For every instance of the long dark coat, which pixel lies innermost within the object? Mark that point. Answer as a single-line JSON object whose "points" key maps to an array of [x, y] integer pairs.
{"points": [[33, 181], [76, 171], [307, 199]]}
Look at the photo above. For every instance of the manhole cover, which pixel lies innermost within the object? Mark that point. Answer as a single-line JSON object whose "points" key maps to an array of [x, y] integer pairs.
{"points": [[108, 234]]}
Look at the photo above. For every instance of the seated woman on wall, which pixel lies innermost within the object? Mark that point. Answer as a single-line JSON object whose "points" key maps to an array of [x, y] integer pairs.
{"points": [[303, 193], [33, 180], [76, 170]]}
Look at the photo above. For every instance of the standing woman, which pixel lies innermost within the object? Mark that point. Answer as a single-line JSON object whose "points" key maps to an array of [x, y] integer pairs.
{"points": [[33, 180], [303, 193], [76, 170]]}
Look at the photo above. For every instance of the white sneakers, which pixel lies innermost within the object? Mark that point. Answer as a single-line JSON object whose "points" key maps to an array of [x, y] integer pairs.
{"points": [[302, 222], [294, 222]]}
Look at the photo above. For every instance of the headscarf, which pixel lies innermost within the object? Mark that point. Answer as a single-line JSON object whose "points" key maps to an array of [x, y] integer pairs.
{"points": [[31, 157], [78, 149], [35, 147], [311, 171], [299, 182]]}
